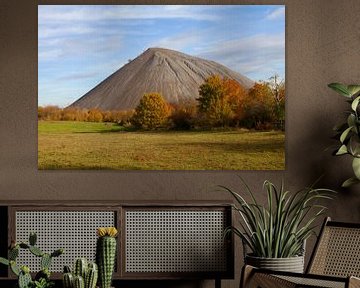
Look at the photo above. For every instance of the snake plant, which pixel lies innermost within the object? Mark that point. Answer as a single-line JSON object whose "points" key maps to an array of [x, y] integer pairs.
{"points": [[349, 132], [279, 228]]}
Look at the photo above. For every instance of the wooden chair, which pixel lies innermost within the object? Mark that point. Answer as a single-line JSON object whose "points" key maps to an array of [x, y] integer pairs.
{"points": [[335, 262]]}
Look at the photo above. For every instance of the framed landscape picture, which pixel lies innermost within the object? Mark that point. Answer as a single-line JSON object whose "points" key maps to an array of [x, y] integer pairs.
{"points": [[161, 87]]}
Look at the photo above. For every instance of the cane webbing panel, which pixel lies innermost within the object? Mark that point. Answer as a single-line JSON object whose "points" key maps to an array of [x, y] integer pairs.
{"points": [[75, 231], [313, 282], [338, 252], [175, 241]]}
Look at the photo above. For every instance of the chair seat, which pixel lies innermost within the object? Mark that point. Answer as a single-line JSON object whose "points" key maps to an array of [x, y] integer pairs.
{"points": [[314, 282], [269, 279]]}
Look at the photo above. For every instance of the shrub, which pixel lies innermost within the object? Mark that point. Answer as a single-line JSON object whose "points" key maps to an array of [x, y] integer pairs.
{"points": [[151, 113], [49, 113], [95, 115], [183, 116]]}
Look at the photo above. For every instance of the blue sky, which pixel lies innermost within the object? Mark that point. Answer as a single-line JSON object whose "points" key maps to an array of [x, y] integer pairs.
{"points": [[79, 46]]}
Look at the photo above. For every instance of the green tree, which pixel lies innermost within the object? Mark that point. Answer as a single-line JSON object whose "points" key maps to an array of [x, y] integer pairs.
{"points": [[258, 106], [277, 89], [220, 101], [151, 113]]}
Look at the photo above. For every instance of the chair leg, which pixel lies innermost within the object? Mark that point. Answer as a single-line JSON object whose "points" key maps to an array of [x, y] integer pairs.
{"points": [[217, 283], [246, 274]]}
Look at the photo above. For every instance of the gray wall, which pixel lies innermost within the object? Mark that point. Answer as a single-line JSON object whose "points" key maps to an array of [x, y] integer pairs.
{"points": [[322, 46]]}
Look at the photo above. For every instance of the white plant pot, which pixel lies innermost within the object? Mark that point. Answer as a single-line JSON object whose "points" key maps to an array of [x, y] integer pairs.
{"points": [[291, 264]]}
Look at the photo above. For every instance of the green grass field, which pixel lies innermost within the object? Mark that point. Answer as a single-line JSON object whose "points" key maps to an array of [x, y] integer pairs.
{"points": [[85, 145]]}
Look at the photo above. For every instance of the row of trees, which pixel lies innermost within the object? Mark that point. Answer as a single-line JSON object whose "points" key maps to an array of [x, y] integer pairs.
{"points": [[56, 113], [222, 103]]}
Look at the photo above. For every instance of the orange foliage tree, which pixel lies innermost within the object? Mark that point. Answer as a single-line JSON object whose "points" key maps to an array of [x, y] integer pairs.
{"points": [[151, 113], [221, 101], [258, 106]]}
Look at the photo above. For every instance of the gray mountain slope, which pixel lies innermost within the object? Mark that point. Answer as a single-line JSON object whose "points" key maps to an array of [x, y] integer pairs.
{"points": [[175, 75]]}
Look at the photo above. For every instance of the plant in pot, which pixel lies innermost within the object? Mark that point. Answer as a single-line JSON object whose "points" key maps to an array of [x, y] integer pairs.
{"points": [[349, 132], [276, 233]]}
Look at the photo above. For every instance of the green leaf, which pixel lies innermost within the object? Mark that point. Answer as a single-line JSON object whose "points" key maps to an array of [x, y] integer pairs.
{"points": [[353, 89], [4, 261], [36, 251], [355, 103], [356, 167], [342, 150], [351, 120], [32, 238], [345, 134], [14, 268], [349, 182], [340, 88]]}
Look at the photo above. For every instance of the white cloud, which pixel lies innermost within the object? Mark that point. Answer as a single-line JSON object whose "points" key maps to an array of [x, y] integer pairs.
{"points": [[79, 75], [277, 13], [178, 42], [74, 47], [251, 55], [122, 12], [51, 31]]}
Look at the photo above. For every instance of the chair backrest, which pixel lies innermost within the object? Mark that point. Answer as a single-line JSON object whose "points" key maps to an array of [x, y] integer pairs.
{"points": [[337, 251]]}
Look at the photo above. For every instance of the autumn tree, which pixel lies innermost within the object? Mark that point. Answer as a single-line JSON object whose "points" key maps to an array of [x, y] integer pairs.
{"points": [[151, 113], [258, 106], [220, 100], [235, 96]]}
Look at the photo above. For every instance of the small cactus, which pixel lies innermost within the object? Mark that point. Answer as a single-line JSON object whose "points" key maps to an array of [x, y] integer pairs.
{"points": [[91, 276], [57, 252], [106, 254], [45, 261], [79, 282], [24, 278], [44, 273], [81, 266], [67, 269], [32, 239], [68, 280], [88, 273], [13, 253], [36, 251]]}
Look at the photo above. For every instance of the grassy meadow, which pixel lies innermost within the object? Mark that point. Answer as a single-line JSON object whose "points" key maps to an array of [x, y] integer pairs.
{"points": [[87, 145]]}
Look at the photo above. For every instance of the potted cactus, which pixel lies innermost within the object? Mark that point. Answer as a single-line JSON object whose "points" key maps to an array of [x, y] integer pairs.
{"points": [[106, 254], [84, 275], [42, 278]]}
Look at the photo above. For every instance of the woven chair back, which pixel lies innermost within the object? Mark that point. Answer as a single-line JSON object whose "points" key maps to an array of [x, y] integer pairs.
{"points": [[337, 252]]}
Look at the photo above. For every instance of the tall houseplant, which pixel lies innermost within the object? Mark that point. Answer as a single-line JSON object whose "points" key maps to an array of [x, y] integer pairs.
{"points": [[276, 233], [349, 132]]}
